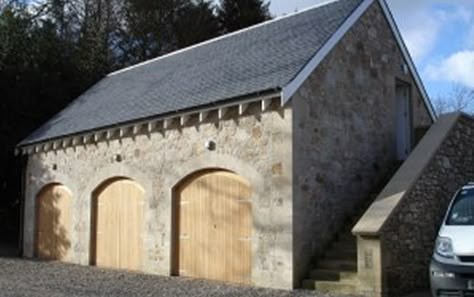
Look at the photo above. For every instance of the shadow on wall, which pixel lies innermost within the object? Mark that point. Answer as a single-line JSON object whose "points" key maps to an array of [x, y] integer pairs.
{"points": [[53, 222]]}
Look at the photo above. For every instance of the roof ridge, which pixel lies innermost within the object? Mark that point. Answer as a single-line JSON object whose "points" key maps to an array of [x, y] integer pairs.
{"points": [[321, 4]]}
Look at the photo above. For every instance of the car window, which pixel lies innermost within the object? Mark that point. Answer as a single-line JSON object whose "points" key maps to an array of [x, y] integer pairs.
{"points": [[462, 210]]}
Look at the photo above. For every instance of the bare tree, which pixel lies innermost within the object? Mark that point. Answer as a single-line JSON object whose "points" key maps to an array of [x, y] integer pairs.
{"points": [[459, 98], [4, 4]]}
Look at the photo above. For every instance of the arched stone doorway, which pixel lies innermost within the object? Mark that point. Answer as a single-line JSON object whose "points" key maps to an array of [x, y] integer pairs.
{"points": [[53, 222], [212, 220], [118, 224]]}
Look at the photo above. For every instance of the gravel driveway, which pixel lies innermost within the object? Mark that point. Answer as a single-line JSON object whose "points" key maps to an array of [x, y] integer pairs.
{"points": [[19, 277]]}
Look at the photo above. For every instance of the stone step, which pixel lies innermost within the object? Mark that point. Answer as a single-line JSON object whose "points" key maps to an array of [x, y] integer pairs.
{"points": [[336, 287], [332, 275], [341, 254], [328, 286], [345, 244], [342, 248], [336, 271], [341, 265]]}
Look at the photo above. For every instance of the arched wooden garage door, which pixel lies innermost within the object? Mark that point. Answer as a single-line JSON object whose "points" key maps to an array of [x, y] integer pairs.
{"points": [[213, 218], [118, 221], [53, 228]]}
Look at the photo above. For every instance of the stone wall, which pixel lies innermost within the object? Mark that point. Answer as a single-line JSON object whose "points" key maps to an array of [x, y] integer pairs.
{"points": [[256, 146], [408, 236], [345, 131]]}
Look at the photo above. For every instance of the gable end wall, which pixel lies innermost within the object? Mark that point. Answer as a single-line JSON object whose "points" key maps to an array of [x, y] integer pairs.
{"points": [[344, 132]]}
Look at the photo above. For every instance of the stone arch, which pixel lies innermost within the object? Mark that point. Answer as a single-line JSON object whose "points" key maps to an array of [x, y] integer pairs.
{"points": [[215, 206], [114, 179], [36, 186], [216, 161], [117, 224], [176, 175], [118, 170], [111, 173]]}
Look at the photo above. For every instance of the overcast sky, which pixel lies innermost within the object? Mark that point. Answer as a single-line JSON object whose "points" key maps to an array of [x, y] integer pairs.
{"points": [[438, 33]]}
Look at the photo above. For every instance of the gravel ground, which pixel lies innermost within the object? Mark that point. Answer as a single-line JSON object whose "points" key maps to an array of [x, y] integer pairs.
{"points": [[19, 277]]}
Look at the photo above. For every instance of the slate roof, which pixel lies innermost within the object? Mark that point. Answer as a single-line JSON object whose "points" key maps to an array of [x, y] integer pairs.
{"points": [[263, 58]]}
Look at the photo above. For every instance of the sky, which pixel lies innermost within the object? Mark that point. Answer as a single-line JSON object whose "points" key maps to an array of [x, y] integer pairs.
{"points": [[438, 33]]}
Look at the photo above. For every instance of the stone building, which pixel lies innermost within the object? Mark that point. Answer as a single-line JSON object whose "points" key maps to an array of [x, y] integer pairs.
{"points": [[238, 159]]}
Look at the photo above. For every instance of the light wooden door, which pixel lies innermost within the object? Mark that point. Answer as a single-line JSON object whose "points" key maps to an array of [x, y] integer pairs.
{"points": [[214, 218], [119, 225], [53, 240]]}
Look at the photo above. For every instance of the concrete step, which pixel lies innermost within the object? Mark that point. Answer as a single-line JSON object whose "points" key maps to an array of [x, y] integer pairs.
{"points": [[336, 271], [328, 286], [346, 244], [336, 287], [348, 248], [341, 254], [341, 265], [332, 275]]}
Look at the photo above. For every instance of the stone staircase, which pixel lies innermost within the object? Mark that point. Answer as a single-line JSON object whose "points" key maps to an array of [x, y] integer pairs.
{"points": [[336, 270]]}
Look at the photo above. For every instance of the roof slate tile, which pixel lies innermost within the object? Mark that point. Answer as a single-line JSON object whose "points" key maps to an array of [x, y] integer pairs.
{"points": [[265, 57]]}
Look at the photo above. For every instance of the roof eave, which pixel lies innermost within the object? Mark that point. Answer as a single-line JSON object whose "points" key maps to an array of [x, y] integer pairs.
{"points": [[274, 93]]}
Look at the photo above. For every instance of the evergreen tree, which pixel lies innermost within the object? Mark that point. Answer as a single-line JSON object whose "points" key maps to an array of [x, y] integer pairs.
{"points": [[51, 51], [195, 22], [237, 14], [154, 28], [148, 29], [37, 78], [95, 54]]}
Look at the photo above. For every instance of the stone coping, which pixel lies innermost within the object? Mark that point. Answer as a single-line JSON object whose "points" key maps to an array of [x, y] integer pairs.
{"points": [[405, 178]]}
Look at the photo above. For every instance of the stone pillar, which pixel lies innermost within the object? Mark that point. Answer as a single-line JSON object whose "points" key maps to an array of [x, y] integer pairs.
{"points": [[369, 266]]}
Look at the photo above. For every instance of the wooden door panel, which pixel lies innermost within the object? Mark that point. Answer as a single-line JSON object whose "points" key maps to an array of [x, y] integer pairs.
{"points": [[45, 226], [119, 227], [106, 227], [184, 238], [215, 227], [53, 223], [131, 225]]}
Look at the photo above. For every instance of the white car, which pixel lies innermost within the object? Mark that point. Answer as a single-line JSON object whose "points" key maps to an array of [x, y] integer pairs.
{"points": [[452, 265]]}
